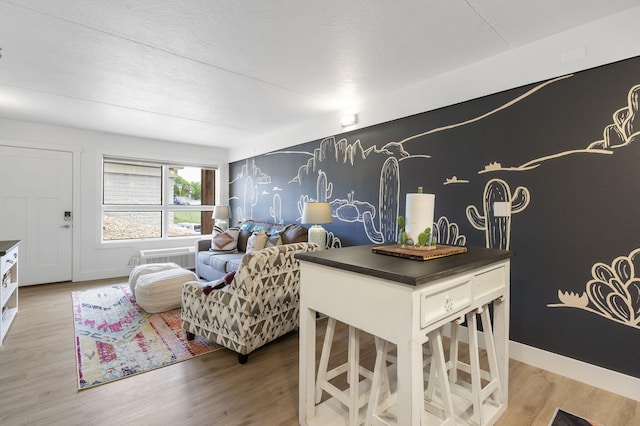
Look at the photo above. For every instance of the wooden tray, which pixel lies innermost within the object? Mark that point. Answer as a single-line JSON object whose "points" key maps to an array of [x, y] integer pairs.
{"points": [[441, 250]]}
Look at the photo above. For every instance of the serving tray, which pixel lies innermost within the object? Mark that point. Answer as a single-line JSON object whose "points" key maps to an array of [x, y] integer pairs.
{"points": [[406, 252]]}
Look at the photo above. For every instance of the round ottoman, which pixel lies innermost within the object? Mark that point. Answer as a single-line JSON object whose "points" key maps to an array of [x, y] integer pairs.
{"points": [[149, 268], [162, 291]]}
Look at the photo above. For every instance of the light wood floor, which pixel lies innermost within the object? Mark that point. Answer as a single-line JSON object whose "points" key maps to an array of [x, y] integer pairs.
{"points": [[38, 383]]}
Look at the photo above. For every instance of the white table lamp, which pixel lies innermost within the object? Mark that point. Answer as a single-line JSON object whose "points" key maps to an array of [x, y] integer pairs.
{"points": [[221, 215], [317, 213]]}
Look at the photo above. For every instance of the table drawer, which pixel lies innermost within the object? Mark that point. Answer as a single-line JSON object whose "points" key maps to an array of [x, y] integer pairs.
{"points": [[488, 282], [441, 301], [9, 259]]}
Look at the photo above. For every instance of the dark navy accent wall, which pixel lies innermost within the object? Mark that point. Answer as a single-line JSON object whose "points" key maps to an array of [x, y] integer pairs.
{"points": [[562, 157]]}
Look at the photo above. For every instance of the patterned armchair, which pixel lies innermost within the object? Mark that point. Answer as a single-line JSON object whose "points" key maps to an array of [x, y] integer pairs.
{"points": [[259, 305]]}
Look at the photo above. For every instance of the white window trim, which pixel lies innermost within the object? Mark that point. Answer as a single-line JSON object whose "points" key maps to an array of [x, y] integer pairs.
{"points": [[163, 208]]}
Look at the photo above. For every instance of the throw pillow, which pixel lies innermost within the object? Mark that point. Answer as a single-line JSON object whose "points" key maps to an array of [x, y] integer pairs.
{"points": [[274, 240], [225, 240], [257, 241], [207, 289], [229, 277]]}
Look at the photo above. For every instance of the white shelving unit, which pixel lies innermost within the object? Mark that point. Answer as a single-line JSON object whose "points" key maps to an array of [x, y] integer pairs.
{"points": [[8, 285]]}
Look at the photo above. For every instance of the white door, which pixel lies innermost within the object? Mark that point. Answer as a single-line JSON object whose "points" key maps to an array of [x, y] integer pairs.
{"points": [[35, 207]]}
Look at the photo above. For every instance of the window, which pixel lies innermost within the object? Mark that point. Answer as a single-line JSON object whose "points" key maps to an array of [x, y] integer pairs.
{"points": [[151, 200]]}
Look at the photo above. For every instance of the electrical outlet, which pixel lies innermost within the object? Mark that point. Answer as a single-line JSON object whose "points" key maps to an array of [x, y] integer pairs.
{"points": [[502, 209]]}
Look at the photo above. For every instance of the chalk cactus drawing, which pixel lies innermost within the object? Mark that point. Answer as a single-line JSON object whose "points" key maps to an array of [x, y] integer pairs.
{"points": [[276, 209], [613, 292], [498, 228], [250, 198], [388, 205], [324, 188], [448, 233]]}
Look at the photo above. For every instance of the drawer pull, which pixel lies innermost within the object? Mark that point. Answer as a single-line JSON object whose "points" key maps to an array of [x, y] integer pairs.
{"points": [[448, 304]]}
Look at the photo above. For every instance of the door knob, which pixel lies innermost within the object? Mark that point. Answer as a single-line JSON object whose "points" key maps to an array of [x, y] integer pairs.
{"points": [[66, 226]]}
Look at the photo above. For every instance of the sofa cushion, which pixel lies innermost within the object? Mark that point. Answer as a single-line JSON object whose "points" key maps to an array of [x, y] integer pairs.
{"points": [[233, 264], [224, 240], [218, 261], [294, 233]]}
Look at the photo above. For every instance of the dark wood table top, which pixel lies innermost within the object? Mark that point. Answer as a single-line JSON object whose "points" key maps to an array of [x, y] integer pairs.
{"points": [[362, 260], [5, 246]]}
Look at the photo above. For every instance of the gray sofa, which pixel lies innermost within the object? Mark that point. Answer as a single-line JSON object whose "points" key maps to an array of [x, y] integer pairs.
{"points": [[213, 265]]}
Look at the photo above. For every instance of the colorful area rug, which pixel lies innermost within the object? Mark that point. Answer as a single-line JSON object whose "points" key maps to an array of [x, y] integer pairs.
{"points": [[564, 418], [115, 338]]}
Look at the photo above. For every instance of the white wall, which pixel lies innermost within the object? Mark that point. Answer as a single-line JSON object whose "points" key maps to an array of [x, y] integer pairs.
{"points": [[608, 40], [91, 258]]}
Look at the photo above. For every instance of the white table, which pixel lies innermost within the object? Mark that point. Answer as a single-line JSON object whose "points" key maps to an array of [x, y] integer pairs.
{"points": [[399, 300]]}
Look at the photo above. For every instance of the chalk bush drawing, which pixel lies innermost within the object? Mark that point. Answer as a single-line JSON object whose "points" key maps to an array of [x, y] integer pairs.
{"points": [[613, 292], [498, 228], [448, 233]]}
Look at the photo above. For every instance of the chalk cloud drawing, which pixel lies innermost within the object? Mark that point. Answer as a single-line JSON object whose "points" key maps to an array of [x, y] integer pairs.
{"points": [[498, 228], [613, 292], [453, 180], [448, 233]]}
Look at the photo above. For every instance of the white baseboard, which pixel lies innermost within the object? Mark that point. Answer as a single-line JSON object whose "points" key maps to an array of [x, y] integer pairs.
{"points": [[609, 380]]}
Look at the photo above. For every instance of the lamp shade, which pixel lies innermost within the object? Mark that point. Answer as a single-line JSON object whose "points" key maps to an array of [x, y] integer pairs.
{"points": [[221, 212], [316, 212]]}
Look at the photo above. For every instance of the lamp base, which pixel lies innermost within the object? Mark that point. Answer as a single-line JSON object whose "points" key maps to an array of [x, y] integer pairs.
{"points": [[222, 224], [318, 235]]}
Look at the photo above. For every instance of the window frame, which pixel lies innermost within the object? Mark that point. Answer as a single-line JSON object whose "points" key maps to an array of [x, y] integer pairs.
{"points": [[164, 207]]}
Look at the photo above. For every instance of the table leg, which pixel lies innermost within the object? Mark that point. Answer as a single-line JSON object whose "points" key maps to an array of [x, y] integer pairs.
{"points": [[307, 352], [410, 383], [501, 338]]}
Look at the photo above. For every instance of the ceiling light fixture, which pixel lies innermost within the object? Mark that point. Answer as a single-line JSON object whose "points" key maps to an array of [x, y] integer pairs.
{"points": [[349, 120]]}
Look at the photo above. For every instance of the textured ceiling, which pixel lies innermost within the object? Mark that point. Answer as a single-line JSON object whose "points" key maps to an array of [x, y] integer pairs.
{"points": [[216, 72]]}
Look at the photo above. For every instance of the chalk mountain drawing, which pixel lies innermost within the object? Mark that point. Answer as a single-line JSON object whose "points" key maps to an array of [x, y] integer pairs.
{"points": [[626, 124], [624, 130], [613, 292], [498, 228]]}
